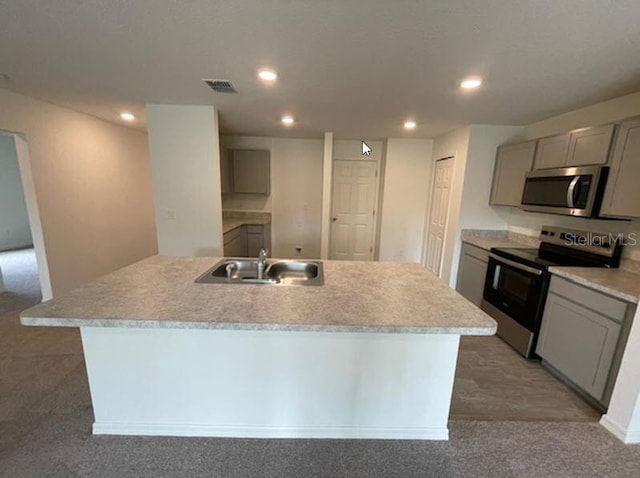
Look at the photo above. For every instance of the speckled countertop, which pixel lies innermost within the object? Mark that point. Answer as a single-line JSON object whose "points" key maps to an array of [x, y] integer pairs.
{"points": [[382, 297], [486, 239], [619, 283], [229, 224]]}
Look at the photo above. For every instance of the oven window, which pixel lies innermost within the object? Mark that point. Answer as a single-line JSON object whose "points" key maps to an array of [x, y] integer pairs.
{"points": [[513, 284]]}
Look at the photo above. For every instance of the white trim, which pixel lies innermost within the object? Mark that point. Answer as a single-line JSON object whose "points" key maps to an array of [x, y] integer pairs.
{"points": [[189, 430], [33, 211], [617, 430]]}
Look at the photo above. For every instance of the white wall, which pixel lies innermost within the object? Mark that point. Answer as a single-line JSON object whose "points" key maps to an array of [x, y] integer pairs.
{"points": [[185, 163], [599, 113], [92, 183], [296, 182], [474, 149], [405, 195], [295, 202], [327, 177], [623, 415], [14, 221]]}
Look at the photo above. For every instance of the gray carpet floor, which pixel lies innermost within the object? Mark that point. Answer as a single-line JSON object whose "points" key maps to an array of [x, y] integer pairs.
{"points": [[46, 417]]}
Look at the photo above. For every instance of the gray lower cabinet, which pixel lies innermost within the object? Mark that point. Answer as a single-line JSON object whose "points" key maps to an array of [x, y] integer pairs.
{"points": [[235, 243], [582, 336], [622, 194], [471, 272], [247, 240], [512, 163]]}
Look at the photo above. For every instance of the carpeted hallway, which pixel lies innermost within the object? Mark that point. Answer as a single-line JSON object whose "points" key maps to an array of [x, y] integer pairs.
{"points": [[45, 427]]}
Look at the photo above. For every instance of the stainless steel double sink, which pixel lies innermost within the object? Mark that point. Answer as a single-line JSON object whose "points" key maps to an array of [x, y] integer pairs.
{"points": [[276, 272]]}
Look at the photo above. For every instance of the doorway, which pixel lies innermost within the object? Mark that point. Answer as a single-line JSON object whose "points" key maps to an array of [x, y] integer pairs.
{"points": [[353, 202], [438, 214], [23, 267]]}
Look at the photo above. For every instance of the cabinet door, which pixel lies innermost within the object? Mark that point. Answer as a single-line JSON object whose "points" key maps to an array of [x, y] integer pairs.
{"points": [[552, 152], [236, 247], [471, 275], [579, 343], [622, 193], [255, 239], [513, 161], [590, 146], [250, 170]]}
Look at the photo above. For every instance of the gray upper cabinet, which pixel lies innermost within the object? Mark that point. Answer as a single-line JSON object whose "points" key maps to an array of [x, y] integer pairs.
{"points": [[582, 147], [512, 163], [590, 146], [622, 194], [552, 151], [246, 171]]}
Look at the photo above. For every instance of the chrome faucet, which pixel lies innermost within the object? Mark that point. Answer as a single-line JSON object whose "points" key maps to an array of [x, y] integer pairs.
{"points": [[262, 262]]}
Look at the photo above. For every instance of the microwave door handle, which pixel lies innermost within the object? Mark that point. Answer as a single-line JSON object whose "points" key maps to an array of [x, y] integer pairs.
{"points": [[571, 192], [516, 265]]}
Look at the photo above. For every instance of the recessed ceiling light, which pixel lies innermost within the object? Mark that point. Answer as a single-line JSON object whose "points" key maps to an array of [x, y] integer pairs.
{"points": [[126, 116], [471, 83], [288, 120], [267, 75], [409, 124]]}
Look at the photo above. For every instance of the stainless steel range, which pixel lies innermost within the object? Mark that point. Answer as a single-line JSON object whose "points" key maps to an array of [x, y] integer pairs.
{"points": [[517, 280]]}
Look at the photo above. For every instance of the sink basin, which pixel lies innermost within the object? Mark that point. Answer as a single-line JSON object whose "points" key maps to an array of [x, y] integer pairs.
{"points": [[304, 272], [277, 272]]}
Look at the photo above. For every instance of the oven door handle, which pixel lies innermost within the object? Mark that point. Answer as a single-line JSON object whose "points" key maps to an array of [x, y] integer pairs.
{"points": [[571, 192], [516, 265]]}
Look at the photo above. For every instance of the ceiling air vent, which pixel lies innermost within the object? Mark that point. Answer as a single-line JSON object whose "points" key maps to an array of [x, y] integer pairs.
{"points": [[221, 86]]}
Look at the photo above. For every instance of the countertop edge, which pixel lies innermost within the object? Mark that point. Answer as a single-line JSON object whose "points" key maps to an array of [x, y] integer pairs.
{"points": [[558, 271], [163, 324]]}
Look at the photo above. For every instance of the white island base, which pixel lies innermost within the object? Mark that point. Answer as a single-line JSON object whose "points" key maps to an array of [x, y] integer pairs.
{"points": [[270, 384]]}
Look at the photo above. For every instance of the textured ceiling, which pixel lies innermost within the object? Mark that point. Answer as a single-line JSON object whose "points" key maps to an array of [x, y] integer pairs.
{"points": [[354, 67]]}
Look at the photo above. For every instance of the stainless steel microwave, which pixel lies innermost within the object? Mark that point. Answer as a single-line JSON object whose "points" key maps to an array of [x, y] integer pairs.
{"points": [[567, 191]]}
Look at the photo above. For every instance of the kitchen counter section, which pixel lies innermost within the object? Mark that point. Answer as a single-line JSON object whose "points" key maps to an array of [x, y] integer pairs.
{"points": [[370, 354], [618, 283], [486, 239], [229, 224], [160, 292]]}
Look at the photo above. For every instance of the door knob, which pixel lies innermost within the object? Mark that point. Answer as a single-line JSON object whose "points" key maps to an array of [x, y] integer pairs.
{"points": [[334, 219]]}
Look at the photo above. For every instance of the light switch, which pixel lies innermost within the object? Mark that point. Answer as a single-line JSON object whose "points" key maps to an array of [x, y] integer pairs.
{"points": [[171, 214]]}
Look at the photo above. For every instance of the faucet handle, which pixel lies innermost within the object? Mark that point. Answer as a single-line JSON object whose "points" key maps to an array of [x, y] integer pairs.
{"points": [[264, 253]]}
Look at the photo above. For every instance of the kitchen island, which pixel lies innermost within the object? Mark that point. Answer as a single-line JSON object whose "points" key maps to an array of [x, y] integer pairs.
{"points": [[370, 354]]}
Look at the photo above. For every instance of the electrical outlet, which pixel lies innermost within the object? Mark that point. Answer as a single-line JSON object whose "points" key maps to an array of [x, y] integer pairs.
{"points": [[298, 250], [171, 214]]}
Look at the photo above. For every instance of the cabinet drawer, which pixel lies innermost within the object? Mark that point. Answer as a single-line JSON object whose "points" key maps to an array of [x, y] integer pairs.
{"points": [[475, 251], [255, 229], [601, 303]]}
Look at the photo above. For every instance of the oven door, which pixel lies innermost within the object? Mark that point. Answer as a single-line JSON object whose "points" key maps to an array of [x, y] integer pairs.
{"points": [[516, 289]]}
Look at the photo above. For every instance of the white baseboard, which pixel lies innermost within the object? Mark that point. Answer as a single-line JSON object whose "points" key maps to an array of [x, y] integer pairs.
{"points": [[264, 431], [625, 436]]}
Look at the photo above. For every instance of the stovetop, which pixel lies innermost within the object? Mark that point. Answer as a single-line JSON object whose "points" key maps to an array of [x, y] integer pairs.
{"points": [[551, 255], [528, 257]]}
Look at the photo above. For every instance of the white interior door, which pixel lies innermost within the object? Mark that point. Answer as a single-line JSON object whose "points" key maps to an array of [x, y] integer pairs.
{"points": [[438, 214], [352, 209]]}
